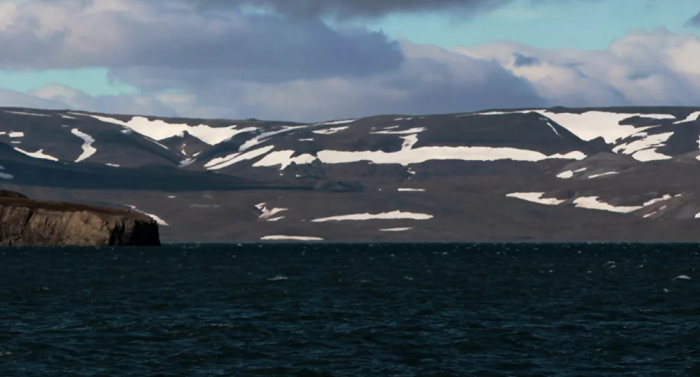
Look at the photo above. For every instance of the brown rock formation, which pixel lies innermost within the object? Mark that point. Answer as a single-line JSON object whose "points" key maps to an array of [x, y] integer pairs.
{"points": [[27, 222]]}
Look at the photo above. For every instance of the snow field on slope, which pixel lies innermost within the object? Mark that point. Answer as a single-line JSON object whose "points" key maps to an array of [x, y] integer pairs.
{"points": [[394, 215], [159, 130], [290, 238], [88, 149], [587, 202], [644, 149], [591, 124], [535, 197], [38, 154]]}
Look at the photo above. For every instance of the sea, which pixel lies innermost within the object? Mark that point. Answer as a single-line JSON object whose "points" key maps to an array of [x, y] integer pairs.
{"points": [[352, 310]]}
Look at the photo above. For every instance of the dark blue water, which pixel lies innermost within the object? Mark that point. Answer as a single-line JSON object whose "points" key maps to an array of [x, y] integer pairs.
{"points": [[402, 310]]}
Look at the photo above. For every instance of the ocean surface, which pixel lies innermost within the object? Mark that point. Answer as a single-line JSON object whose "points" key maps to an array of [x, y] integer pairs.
{"points": [[351, 310]]}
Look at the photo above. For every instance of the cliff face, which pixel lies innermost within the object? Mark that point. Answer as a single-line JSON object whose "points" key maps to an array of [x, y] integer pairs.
{"points": [[26, 222]]}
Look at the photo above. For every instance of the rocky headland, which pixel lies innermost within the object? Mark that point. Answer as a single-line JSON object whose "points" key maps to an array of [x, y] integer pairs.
{"points": [[28, 222]]}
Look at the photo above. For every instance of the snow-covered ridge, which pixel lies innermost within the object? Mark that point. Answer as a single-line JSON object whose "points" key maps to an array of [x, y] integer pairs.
{"points": [[159, 130], [590, 124]]}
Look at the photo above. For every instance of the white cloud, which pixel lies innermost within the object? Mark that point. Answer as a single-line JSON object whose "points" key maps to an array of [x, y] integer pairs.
{"points": [[647, 68], [200, 62]]}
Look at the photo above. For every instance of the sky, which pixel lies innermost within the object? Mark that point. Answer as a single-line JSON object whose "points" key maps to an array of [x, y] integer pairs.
{"points": [[312, 60]]}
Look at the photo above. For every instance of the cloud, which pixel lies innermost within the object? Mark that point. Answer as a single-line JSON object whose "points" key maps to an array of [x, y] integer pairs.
{"points": [[695, 21], [431, 80], [121, 34], [211, 62], [356, 8], [345, 9], [652, 68]]}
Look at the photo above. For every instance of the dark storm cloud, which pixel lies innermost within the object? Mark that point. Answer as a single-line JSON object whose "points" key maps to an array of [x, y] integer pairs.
{"points": [[122, 34], [368, 8], [357, 8]]}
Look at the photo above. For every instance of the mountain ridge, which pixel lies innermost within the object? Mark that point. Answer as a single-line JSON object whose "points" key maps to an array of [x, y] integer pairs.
{"points": [[380, 178]]}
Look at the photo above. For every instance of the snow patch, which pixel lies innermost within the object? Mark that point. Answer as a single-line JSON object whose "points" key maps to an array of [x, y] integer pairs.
{"points": [[690, 118], [263, 137], [335, 122], [401, 132], [222, 162], [112, 165], [408, 155], [158, 129], [88, 149], [661, 199], [395, 215], [644, 149], [535, 197], [566, 175], [553, 129], [266, 213], [395, 230], [411, 190], [25, 113], [6, 176], [329, 131], [16, 134], [593, 124], [602, 174], [154, 217], [38, 154], [290, 238], [67, 117], [592, 202], [409, 141], [284, 159], [306, 139]]}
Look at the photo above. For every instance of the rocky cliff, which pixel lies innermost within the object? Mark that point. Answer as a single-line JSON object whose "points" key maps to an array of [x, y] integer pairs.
{"points": [[27, 222]]}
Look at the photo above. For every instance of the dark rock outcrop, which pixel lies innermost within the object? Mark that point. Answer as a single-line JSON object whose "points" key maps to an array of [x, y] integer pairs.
{"points": [[27, 222]]}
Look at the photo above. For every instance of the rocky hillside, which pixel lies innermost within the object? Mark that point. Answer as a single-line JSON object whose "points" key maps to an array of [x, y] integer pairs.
{"points": [[27, 222], [559, 174]]}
